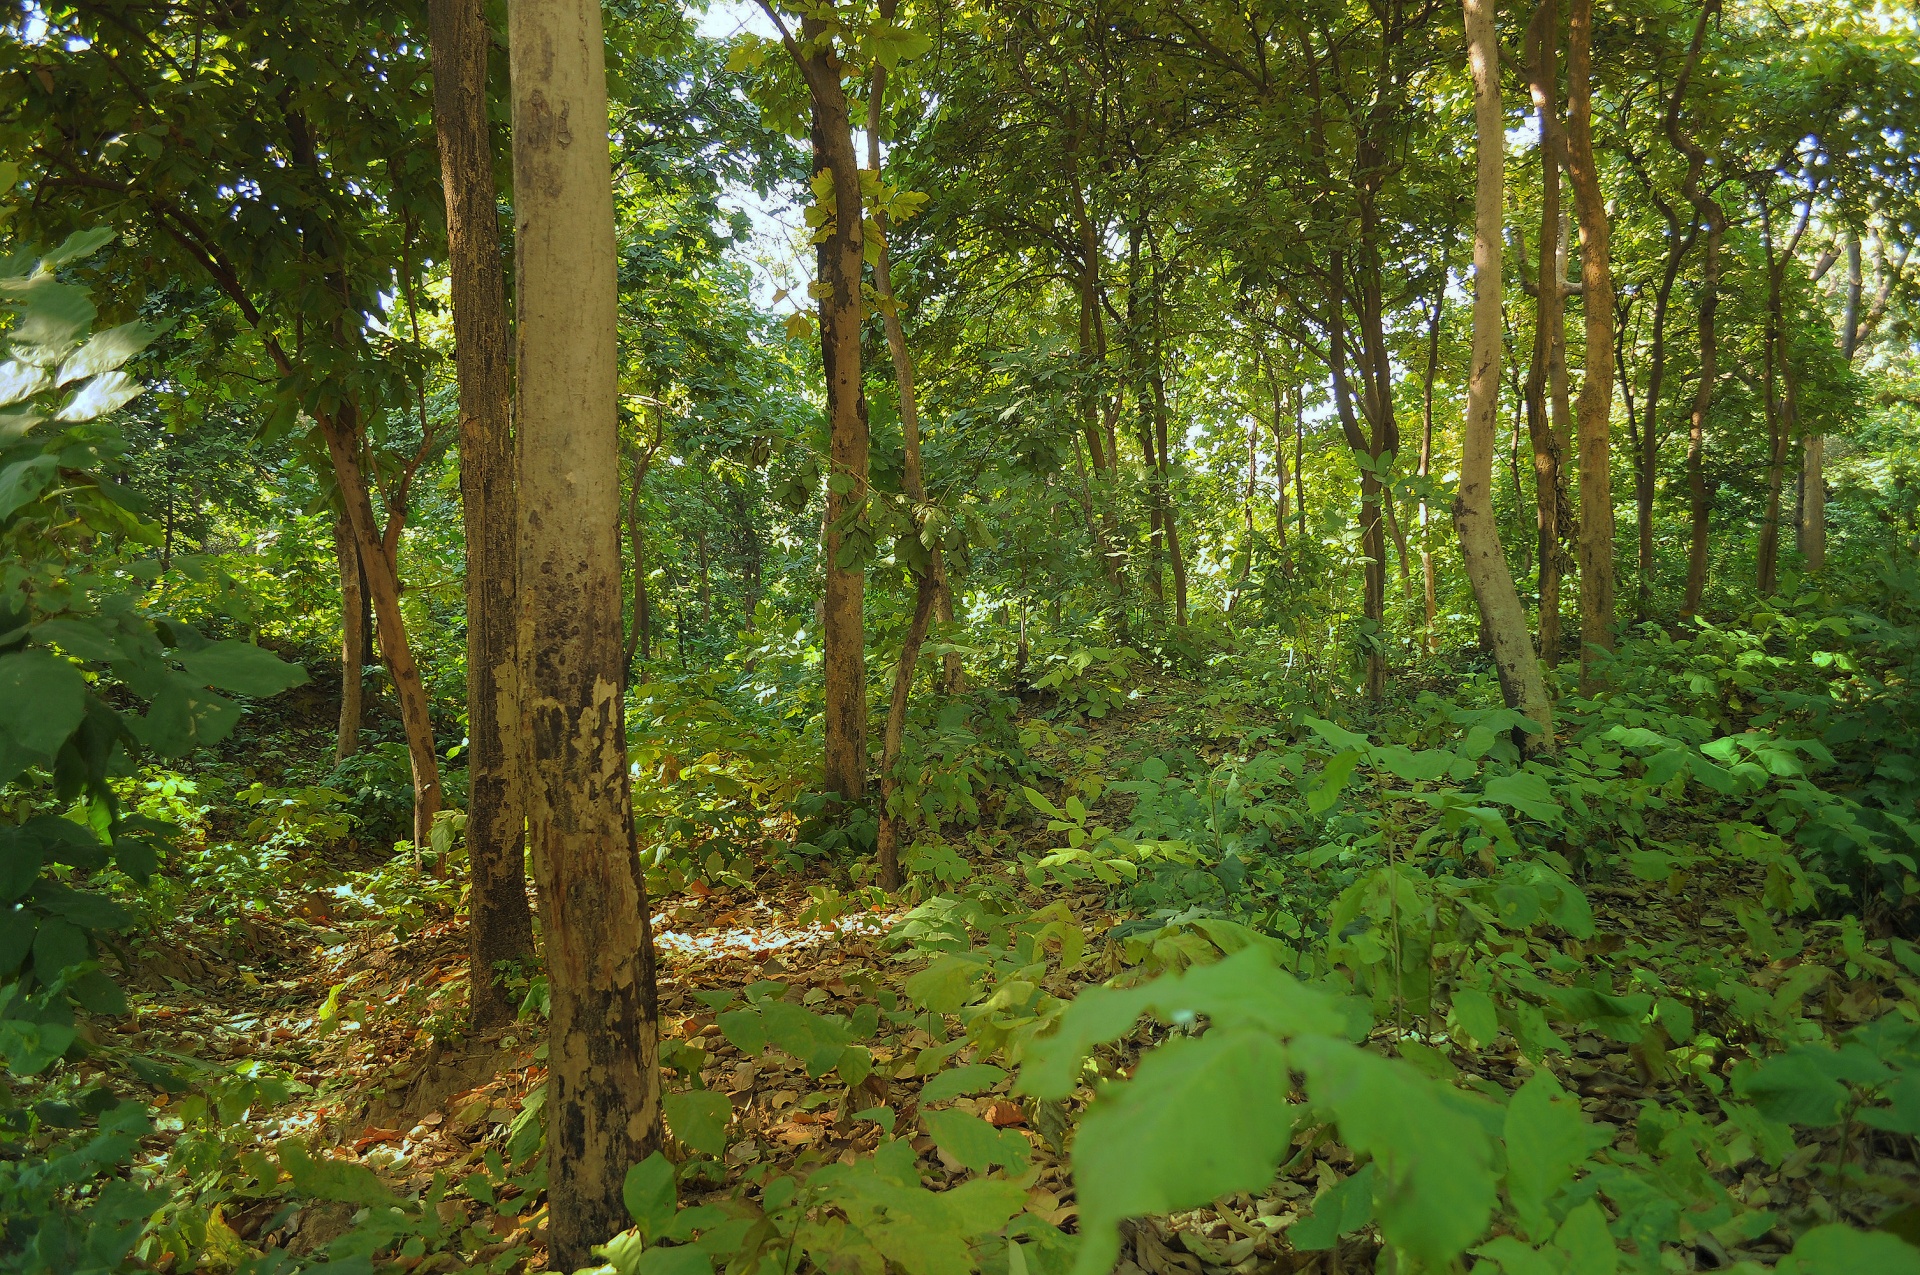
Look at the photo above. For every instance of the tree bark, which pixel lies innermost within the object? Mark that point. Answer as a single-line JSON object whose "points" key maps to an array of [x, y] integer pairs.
{"points": [[1431, 643], [839, 257], [928, 579], [1373, 540], [1595, 412], [1505, 618], [500, 925], [353, 640], [1549, 469], [1707, 211], [603, 1108], [340, 429]]}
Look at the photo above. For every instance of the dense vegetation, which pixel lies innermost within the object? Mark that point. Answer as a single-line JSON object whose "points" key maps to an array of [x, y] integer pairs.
{"points": [[1297, 648]]}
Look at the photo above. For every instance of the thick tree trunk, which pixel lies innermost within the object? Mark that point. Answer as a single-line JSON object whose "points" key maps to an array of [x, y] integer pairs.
{"points": [[353, 640], [603, 1102], [500, 923], [1505, 618], [340, 429], [1595, 425]]}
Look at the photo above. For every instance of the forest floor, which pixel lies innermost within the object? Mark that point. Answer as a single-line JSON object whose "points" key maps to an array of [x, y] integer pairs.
{"points": [[363, 1012]]}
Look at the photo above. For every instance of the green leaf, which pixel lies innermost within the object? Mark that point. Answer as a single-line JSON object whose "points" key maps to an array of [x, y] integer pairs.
{"points": [[1585, 1242], [1435, 1191], [332, 1179], [242, 668], [59, 945], [23, 481], [1795, 1087], [678, 1259], [1245, 989], [42, 699], [973, 1142], [1343, 1209], [1526, 792], [1201, 1118], [650, 1196], [945, 985], [1547, 1140], [815, 1040], [744, 1031], [1838, 1249], [1473, 1013], [1333, 780], [971, 1078], [102, 394], [105, 351], [699, 1118]]}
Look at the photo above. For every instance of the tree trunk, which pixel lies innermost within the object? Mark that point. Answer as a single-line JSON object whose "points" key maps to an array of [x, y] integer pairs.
{"points": [[1706, 210], [340, 429], [353, 640], [1772, 348], [1595, 426], [500, 924], [1373, 542], [603, 1107], [1506, 619], [839, 265], [927, 579], [1431, 644], [1810, 531], [1549, 470]]}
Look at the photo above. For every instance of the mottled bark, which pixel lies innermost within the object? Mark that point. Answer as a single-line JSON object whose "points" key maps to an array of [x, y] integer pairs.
{"points": [[603, 1109]]}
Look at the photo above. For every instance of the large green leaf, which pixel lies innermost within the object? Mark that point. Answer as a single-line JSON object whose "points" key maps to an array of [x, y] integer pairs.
{"points": [[1200, 1118], [1837, 1249], [1547, 1140], [24, 480], [973, 1142], [699, 1119], [1435, 1189], [649, 1195], [242, 668]]}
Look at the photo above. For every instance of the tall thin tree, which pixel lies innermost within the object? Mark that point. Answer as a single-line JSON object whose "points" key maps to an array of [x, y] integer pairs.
{"points": [[500, 924], [1473, 517]]}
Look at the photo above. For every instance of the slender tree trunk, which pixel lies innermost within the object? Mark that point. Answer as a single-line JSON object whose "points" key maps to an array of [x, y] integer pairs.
{"points": [[839, 268], [500, 924], [1810, 532], [1169, 520], [1505, 618], [340, 429], [1549, 469], [706, 585], [353, 641], [1299, 460], [1373, 541], [1767, 559], [1595, 437], [1431, 644], [928, 578], [1706, 211], [603, 1101]]}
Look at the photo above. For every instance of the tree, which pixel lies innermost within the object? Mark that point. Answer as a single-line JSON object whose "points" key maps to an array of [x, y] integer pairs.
{"points": [[1595, 426], [1473, 517], [841, 246], [499, 925], [603, 1101]]}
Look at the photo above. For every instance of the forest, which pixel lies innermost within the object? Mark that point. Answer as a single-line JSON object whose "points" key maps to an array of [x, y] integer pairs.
{"points": [[932, 637]]}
